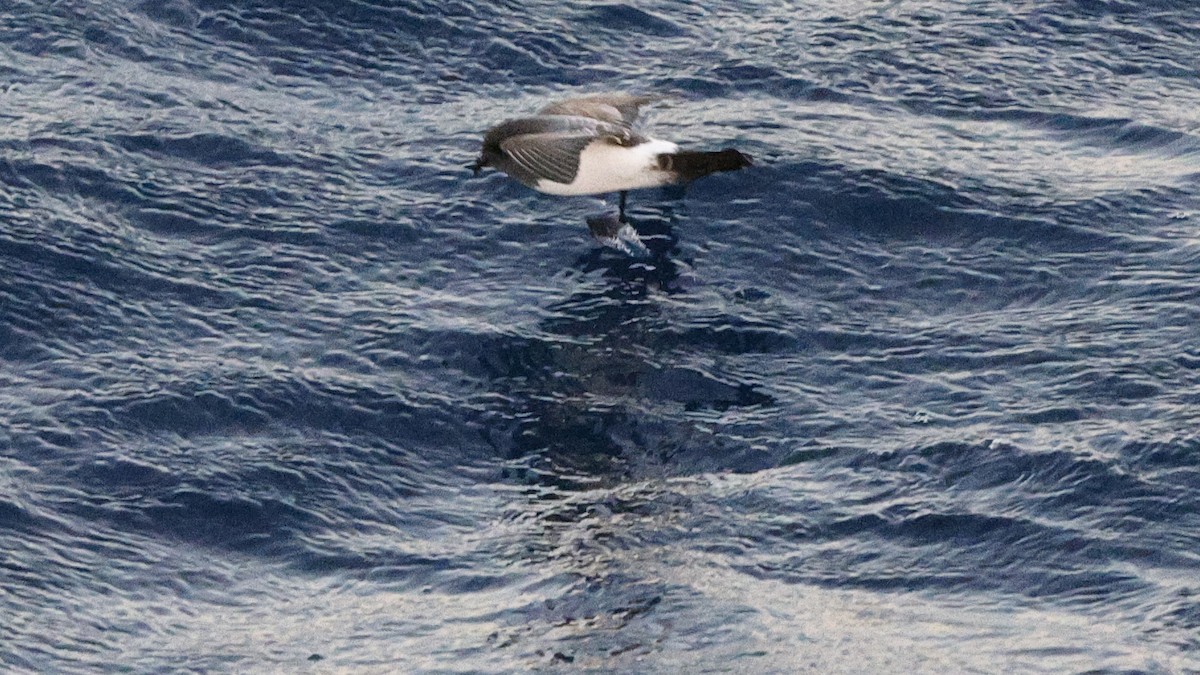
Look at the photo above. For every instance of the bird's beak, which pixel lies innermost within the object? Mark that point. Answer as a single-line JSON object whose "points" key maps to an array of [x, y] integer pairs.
{"points": [[477, 167]]}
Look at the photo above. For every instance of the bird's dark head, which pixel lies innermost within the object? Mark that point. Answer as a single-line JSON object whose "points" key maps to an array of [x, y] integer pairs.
{"points": [[491, 153], [487, 157], [477, 167]]}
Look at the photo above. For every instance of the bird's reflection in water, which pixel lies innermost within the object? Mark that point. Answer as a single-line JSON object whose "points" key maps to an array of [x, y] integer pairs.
{"points": [[654, 265], [598, 394], [592, 409]]}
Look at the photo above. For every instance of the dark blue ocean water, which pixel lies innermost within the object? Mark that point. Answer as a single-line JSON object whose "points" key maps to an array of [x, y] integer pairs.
{"points": [[283, 389]]}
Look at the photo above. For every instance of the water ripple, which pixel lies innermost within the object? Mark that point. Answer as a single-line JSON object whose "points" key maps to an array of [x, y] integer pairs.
{"points": [[282, 387]]}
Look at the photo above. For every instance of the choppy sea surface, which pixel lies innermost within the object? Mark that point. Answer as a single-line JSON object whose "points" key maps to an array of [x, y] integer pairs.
{"points": [[284, 389]]}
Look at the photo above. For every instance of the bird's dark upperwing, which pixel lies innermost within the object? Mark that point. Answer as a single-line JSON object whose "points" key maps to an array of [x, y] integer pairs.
{"points": [[611, 108], [552, 156], [569, 124], [547, 147]]}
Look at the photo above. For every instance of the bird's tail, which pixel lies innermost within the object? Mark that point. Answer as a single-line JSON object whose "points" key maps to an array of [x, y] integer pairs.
{"points": [[690, 165]]}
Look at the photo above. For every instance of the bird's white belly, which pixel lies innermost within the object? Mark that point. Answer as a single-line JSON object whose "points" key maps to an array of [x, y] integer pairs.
{"points": [[605, 167]]}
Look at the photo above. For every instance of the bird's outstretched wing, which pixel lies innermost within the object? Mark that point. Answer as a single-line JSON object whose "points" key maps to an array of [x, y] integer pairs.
{"points": [[547, 147], [612, 108], [550, 156]]}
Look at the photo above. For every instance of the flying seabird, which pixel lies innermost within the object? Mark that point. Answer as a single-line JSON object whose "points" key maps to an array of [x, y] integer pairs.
{"points": [[588, 146]]}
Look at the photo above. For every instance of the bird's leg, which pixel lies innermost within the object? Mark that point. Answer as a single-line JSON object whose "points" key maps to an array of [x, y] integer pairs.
{"points": [[618, 233]]}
